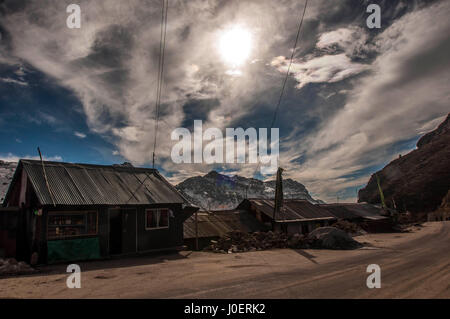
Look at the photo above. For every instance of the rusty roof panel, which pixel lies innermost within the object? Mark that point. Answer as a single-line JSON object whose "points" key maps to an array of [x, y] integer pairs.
{"points": [[85, 184], [340, 211], [208, 226], [367, 211], [218, 223], [293, 209]]}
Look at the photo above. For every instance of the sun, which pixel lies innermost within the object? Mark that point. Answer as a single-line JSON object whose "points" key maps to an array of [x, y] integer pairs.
{"points": [[235, 45]]}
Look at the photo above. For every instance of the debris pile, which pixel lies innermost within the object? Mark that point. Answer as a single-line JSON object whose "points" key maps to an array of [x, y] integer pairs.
{"points": [[332, 238], [348, 227], [327, 238], [12, 267], [237, 241]]}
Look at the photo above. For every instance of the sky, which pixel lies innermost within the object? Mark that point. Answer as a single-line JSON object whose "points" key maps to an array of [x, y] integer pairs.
{"points": [[355, 97]]}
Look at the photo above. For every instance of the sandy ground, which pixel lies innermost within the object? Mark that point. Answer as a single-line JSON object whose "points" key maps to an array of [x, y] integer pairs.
{"points": [[413, 265]]}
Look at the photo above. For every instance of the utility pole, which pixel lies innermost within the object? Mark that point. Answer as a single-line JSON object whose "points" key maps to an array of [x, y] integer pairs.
{"points": [[278, 193]]}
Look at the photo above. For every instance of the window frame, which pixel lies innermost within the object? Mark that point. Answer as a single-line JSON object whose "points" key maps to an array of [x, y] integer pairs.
{"points": [[147, 210], [69, 213]]}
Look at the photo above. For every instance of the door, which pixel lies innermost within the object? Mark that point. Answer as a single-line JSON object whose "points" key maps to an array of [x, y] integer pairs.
{"points": [[128, 230], [122, 231], [115, 232]]}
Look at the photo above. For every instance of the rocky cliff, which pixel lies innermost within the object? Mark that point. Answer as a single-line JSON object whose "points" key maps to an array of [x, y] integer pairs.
{"points": [[419, 180]]}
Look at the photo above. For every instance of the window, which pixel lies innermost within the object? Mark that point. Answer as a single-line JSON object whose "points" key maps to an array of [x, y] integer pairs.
{"points": [[157, 218], [71, 224]]}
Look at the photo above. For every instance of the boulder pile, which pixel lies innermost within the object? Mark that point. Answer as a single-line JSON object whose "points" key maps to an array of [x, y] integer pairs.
{"points": [[332, 238], [11, 266], [321, 238], [348, 227]]}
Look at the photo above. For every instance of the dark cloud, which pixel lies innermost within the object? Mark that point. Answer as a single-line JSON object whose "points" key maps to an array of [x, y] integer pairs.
{"points": [[198, 110]]}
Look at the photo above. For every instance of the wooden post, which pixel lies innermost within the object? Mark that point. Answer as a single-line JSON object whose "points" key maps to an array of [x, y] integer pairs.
{"points": [[278, 194], [196, 230]]}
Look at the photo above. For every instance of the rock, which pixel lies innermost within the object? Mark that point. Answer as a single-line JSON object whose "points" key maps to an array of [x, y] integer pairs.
{"points": [[24, 267], [325, 237], [12, 267], [332, 238], [34, 258], [12, 261], [8, 269]]}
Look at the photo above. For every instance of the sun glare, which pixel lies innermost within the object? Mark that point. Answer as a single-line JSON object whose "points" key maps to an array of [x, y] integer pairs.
{"points": [[235, 45]]}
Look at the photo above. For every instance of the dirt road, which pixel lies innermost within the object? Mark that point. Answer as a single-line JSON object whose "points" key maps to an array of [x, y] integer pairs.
{"points": [[413, 265]]}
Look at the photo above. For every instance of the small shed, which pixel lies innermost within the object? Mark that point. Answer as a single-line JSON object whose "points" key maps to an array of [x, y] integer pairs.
{"points": [[370, 217], [66, 211], [212, 225], [296, 215]]}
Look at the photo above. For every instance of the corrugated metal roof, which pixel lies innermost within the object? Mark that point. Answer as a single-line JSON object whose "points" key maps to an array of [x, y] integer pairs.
{"points": [[293, 210], [355, 210], [218, 223], [86, 184], [339, 211]]}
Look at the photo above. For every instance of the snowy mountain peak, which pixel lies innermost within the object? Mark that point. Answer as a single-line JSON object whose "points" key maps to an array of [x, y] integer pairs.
{"points": [[217, 191], [6, 175]]}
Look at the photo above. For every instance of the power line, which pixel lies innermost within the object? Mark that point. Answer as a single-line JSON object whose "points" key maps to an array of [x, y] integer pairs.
{"points": [[162, 47], [285, 79], [159, 82], [289, 67]]}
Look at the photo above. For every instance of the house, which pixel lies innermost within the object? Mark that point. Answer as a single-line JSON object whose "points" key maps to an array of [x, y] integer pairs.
{"points": [[57, 211], [206, 226], [294, 216]]}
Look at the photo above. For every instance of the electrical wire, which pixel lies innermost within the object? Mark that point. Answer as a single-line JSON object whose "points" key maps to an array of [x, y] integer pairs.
{"points": [[162, 47], [284, 81]]}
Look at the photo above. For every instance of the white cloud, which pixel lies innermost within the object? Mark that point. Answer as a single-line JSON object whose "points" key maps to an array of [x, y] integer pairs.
{"points": [[342, 37], [350, 39], [13, 81], [388, 106], [79, 134], [10, 157], [111, 63], [334, 62], [323, 69]]}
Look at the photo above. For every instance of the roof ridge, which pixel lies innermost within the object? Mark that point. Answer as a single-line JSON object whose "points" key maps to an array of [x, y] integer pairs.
{"points": [[86, 165]]}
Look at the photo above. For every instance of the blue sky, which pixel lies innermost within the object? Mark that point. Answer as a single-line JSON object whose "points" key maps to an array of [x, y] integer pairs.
{"points": [[42, 113], [355, 97]]}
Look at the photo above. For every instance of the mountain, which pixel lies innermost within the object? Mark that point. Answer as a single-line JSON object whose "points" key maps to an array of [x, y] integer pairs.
{"points": [[419, 180], [216, 191], [6, 175]]}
